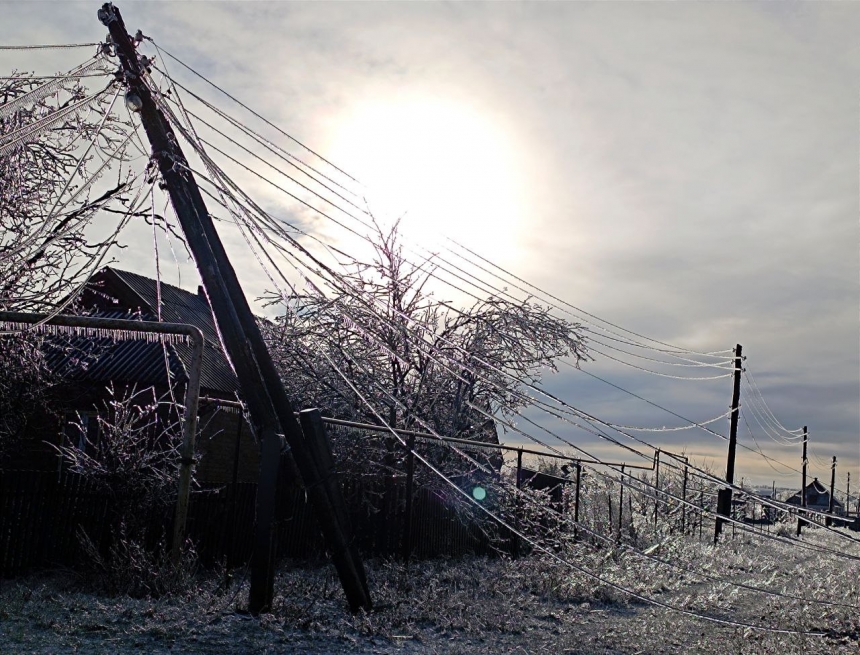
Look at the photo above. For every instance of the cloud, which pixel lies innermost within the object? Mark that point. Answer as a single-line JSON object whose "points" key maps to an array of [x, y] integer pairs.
{"points": [[689, 170]]}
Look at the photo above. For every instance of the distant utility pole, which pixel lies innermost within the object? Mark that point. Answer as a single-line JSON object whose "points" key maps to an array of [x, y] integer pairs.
{"points": [[724, 496], [803, 482], [829, 520], [269, 408]]}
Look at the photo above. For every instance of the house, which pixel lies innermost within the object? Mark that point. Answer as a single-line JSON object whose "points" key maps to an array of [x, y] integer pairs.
{"points": [[88, 366], [818, 499]]}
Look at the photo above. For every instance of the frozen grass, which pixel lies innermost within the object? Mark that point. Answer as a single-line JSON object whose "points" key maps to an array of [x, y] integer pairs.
{"points": [[531, 605]]}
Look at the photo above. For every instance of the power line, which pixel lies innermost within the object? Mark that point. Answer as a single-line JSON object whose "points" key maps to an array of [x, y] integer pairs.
{"points": [[247, 108]]}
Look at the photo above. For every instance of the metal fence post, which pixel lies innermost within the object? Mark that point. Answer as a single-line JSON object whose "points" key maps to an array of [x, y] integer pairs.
{"points": [[407, 520]]}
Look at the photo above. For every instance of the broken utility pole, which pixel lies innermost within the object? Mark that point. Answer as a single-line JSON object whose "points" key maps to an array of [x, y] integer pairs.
{"points": [[268, 406]]}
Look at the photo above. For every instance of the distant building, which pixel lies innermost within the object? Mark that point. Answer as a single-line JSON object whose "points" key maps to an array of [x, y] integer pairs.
{"points": [[818, 499]]}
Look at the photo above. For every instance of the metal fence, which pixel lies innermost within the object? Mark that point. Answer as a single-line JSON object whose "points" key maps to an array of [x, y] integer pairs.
{"points": [[43, 515]]}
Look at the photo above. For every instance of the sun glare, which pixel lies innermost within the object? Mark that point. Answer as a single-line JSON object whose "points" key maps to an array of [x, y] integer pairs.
{"points": [[446, 169]]}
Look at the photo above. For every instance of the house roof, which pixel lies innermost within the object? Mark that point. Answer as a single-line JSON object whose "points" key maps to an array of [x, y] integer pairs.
{"points": [[817, 490], [114, 293]]}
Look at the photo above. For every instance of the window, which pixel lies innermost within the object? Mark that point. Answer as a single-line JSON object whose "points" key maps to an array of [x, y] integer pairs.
{"points": [[82, 430]]}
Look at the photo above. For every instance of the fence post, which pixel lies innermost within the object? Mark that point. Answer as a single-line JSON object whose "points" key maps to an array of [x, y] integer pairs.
{"points": [[410, 477], [516, 538], [701, 508], [576, 500], [234, 492], [620, 505], [684, 502], [656, 486]]}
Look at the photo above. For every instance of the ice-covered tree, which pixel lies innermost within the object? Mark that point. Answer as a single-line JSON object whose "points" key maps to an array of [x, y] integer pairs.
{"points": [[57, 144], [415, 361]]}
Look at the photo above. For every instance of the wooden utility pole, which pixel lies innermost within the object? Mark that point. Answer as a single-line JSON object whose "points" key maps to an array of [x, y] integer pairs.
{"points": [[800, 521], [269, 408], [724, 497], [829, 520]]}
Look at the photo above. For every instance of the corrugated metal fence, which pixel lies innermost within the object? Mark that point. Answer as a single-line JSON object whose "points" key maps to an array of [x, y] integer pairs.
{"points": [[42, 515]]}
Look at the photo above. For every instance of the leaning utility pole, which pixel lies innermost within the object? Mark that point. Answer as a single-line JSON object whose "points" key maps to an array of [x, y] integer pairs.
{"points": [[269, 408], [803, 483], [724, 496]]}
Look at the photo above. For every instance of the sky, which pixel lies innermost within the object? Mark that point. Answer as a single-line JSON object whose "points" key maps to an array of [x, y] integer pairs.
{"points": [[688, 171]]}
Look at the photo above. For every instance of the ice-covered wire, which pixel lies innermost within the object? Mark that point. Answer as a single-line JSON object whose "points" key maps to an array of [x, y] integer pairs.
{"points": [[284, 155], [767, 460], [642, 398], [56, 46], [34, 95], [251, 111], [670, 349], [50, 214], [548, 551], [105, 248], [718, 365], [749, 375], [658, 373], [689, 426], [690, 362], [610, 426], [32, 130]]}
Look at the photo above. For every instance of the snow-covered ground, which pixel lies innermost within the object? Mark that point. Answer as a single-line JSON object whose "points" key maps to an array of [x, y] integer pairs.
{"points": [[532, 605]]}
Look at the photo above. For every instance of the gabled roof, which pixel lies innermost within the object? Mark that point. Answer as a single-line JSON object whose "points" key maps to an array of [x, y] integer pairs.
{"points": [[114, 293], [817, 490]]}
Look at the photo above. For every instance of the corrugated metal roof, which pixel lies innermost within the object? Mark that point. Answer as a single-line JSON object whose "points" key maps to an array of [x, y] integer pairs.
{"points": [[143, 362]]}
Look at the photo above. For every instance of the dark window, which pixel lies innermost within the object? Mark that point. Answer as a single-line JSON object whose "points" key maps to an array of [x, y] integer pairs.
{"points": [[82, 431]]}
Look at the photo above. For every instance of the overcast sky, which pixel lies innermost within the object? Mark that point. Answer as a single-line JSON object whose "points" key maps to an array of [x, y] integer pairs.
{"points": [[686, 170]]}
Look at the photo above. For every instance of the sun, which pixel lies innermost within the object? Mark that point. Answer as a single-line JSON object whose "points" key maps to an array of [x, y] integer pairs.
{"points": [[446, 169]]}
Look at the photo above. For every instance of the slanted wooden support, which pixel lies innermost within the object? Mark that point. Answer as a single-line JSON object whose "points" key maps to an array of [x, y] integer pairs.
{"points": [[269, 407], [345, 554]]}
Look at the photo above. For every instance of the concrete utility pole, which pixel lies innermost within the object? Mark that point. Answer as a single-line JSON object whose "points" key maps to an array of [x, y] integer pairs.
{"points": [[269, 408], [803, 482], [724, 496]]}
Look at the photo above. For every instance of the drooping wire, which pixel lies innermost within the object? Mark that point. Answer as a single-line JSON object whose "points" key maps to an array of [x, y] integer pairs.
{"points": [[251, 111]]}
